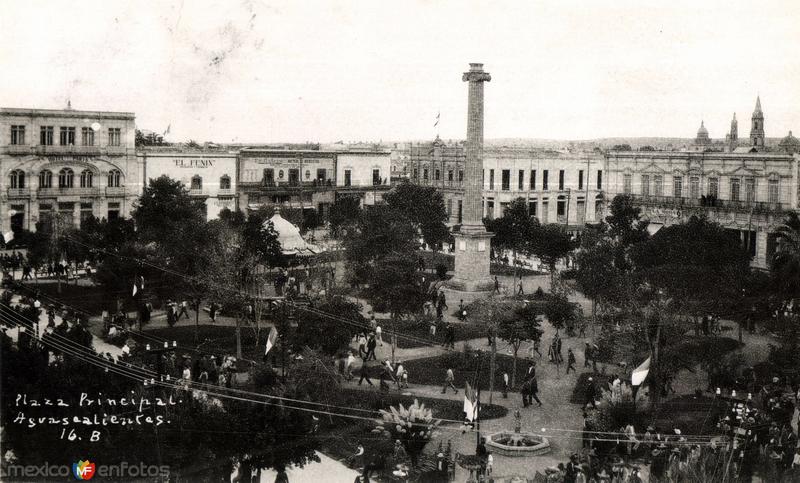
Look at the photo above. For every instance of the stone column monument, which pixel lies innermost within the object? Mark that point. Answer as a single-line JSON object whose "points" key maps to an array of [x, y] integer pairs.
{"points": [[473, 241]]}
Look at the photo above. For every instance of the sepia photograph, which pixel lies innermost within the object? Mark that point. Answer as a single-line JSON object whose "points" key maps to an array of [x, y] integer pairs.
{"points": [[350, 241]]}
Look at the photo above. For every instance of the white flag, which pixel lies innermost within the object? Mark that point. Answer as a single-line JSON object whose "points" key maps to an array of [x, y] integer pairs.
{"points": [[8, 236], [640, 373], [271, 339]]}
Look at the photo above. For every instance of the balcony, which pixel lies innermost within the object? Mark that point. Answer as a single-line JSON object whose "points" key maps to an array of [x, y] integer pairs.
{"points": [[56, 192], [225, 192], [17, 149], [115, 191], [707, 204], [62, 150], [19, 192], [196, 192]]}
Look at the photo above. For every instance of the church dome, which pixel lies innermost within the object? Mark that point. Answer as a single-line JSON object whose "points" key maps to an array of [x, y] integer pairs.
{"points": [[702, 131]]}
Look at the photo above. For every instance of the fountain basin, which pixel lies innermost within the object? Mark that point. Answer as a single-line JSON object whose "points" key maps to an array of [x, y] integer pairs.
{"points": [[508, 443]]}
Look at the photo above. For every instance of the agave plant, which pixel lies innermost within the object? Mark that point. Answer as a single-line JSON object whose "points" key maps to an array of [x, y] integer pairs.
{"points": [[413, 427]]}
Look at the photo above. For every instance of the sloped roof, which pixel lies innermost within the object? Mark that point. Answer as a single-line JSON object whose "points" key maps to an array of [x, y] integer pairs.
{"points": [[288, 235]]}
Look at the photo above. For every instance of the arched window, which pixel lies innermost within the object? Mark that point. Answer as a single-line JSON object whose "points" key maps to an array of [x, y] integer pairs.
{"points": [[280, 174], [65, 178], [17, 179], [114, 178], [225, 182], [45, 179], [308, 174], [86, 178], [197, 182]]}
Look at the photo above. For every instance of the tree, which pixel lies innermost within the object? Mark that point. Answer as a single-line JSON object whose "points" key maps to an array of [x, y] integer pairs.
{"points": [[560, 312], [517, 325], [397, 286], [785, 264], [551, 244], [381, 231], [515, 229], [164, 206], [344, 212], [328, 335], [424, 207], [621, 147], [413, 426], [596, 275]]}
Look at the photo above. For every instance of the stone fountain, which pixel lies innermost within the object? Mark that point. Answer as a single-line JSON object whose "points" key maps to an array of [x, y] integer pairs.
{"points": [[518, 442]]}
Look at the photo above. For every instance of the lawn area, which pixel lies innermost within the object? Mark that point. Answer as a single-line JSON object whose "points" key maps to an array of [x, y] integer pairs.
{"points": [[465, 365], [421, 330], [90, 299]]}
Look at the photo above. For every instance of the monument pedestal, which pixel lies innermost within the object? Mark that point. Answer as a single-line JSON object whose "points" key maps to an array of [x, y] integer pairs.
{"points": [[472, 261]]}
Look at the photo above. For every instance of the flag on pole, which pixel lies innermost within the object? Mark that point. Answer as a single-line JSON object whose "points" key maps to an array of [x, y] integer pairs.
{"points": [[640, 373], [8, 236], [138, 286], [470, 404], [438, 114], [271, 339]]}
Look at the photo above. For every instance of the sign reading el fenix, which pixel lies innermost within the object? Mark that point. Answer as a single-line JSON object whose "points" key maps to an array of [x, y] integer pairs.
{"points": [[194, 163]]}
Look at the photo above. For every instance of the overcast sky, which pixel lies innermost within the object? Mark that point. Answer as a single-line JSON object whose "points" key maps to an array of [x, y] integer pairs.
{"points": [[269, 71]]}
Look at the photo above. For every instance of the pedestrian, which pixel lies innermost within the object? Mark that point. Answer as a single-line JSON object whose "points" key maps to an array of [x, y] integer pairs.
{"points": [[520, 291], [184, 311], [533, 391], [570, 361], [364, 373], [378, 334], [372, 322], [399, 375], [496, 285], [505, 385], [560, 358], [432, 330], [536, 348], [462, 313], [348, 366], [451, 336], [362, 346], [371, 348], [386, 373], [213, 311], [449, 381], [489, 463], [591, 393]]}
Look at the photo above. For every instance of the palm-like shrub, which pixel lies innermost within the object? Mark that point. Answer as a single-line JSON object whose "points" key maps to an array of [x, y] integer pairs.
{"points": [[413, 426]]}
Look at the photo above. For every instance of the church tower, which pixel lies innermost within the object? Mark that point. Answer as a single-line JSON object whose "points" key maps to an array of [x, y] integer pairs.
{"points": [[733, 137], [757, 129]]}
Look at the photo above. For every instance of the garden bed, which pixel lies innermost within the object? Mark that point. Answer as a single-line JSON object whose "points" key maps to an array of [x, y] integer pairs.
{"points": [[469, 366], [418, 333]]}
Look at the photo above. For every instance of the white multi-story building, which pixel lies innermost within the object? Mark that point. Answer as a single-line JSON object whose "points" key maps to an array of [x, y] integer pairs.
{"points": [[67, 162]]}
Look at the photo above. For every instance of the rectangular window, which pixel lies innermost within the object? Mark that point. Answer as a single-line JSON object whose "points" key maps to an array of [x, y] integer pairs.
{"points": [[460, 176], [348, 177], [114, 136], [46, 136], [626, 184], [425, 174], [694, 187], [87, 136], [750, 189], [532, 205], [561, 208], [416, 173], [450, 175], [521, 180], [677, 186], [735, 189], [713, 187], [560, 179], [460, 211], [294, 177], [17, 134], [532, 181], [376, 176], [774, 193], [436, 175], [544, 180], [645, 185], [491, 179], [269, 176], [321, 174], [67, 136], [599, 179], [449, 207], [580, 179], [658, 185], [506, 180], [545, 208]]}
